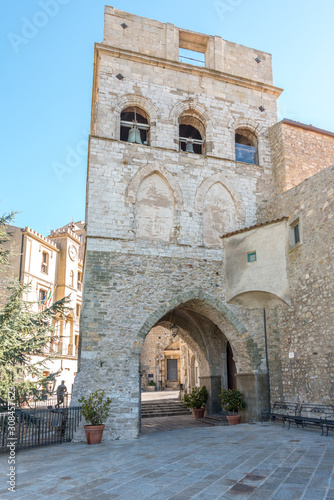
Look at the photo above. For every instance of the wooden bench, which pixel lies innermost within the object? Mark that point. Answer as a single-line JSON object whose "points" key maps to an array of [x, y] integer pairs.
{"points": [[282, 410]]}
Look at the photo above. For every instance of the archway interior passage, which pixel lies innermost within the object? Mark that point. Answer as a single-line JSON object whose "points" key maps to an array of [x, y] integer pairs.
{"points": [[183, 350]]}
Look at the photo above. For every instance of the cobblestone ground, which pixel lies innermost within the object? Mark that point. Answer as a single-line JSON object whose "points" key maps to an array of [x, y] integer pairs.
{"points": [[257, 462]]}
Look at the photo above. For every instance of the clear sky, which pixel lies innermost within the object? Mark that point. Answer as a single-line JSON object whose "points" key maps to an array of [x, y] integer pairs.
{"points": [[46, 83]]}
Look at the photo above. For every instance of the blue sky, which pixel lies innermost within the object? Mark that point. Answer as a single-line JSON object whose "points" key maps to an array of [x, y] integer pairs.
{"points": [[47, 67]]}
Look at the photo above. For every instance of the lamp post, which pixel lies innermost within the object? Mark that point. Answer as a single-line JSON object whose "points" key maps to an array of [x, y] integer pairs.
{"points": [[160, 358]]}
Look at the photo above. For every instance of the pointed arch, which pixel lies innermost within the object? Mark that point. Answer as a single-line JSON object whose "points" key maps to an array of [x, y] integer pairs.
{"points": [[155, 206], [221, 315], [235, 195], [148, 170], [219, 215]]}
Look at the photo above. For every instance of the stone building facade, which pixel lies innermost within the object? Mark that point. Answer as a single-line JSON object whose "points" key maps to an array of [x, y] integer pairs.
{"points": [[53, 267], [179, 155]]}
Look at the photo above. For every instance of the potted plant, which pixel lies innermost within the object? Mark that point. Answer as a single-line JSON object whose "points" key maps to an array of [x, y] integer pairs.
{"points": [[232, 401], [95, 410], [196, 401], [151, 386]]}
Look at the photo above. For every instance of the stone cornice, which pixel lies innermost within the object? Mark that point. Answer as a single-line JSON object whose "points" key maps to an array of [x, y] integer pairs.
{"points": [[186, 68]]}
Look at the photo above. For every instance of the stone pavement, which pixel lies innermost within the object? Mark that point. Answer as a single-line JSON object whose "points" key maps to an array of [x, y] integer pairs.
{"points": [[257, 462], [158, 424]]}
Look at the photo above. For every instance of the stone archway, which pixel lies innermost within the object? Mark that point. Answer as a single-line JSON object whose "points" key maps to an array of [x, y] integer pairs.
{"points": [[112, 339], [209, 327]]}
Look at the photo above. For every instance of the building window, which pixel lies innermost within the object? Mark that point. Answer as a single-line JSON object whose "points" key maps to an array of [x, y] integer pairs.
{"points": [[251, 256], [172, 369], [79, 281], [45, 262], [42, 295], [135, 126], [191, 133], [193, 48], [246, 146], [78, 310], [71, 278], [295, 233]]}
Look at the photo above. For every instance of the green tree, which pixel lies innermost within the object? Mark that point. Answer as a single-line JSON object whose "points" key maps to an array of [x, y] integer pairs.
{"points": [[25, 330]]}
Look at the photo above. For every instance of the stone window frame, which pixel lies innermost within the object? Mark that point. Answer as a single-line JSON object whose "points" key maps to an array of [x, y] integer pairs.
{"points": [[198, 111], [291, 235], [255, 128], [130, 100], [143, 114]]}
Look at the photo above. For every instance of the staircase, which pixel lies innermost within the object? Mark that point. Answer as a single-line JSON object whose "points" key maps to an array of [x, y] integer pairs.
{"points": [[214, 420], [163, 408]]}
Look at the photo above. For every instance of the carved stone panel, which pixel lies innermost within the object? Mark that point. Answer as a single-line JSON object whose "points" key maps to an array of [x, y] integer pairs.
{"points": [[154, 209]]}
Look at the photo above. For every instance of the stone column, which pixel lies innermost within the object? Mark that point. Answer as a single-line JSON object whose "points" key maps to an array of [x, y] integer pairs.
{"points": [[255, 389]]}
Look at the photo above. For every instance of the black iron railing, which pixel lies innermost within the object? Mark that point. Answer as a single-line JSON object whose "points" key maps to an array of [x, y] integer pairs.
{"points": [[27, 428]]}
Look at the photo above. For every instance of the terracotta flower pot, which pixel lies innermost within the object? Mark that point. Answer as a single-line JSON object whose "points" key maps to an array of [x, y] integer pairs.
{"points": [[233, 419], [94, 433], [198, 413]]}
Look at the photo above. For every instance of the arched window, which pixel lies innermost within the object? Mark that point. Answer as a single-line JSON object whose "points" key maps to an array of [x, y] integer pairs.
{"points": [[71, 278], [191, 133], [135, 126], [246, 146]]}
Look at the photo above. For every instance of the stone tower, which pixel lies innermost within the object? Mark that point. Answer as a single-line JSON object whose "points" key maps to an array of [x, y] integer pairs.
{"points": [[179, 155]]}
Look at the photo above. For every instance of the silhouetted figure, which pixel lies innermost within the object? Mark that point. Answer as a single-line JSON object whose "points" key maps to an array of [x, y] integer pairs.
{"points": [[61, 390]]}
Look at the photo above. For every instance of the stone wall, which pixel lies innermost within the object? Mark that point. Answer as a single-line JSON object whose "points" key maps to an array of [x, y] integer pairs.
{"points": [[160, 40], [298, 152], [305, 328], [12, 270]]}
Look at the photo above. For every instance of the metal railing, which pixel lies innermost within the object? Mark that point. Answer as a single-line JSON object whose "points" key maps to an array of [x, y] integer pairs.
{"points": [[48, 402], [24, 428]]}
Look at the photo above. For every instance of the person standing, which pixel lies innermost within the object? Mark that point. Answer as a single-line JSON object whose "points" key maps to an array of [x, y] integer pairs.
{"points": [[61, 391]]}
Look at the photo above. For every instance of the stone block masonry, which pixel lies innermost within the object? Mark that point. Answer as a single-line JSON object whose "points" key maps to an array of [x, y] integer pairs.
{"points": [[299, 152]]}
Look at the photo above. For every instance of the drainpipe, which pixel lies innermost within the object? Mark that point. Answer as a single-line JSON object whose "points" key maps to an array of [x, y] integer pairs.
{"points": [[266, 350], [21, 258]]}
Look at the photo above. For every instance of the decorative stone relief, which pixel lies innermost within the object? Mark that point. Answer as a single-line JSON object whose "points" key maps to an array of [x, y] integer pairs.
{"points": [[154, 209], [219, 215]]}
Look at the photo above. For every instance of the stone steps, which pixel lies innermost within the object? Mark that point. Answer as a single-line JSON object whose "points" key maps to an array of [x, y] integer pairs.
{"points": [[163, 408], [214, 420]]}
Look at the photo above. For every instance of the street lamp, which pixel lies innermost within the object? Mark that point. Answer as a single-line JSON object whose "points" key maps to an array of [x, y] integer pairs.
{"points": [[160, 358], [174, 328]]}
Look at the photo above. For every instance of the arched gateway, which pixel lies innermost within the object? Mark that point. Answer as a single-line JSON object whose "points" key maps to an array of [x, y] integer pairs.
{"points": [[155, 211]]}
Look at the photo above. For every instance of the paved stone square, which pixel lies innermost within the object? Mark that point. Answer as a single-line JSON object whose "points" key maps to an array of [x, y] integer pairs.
{"points": [[258, 462]]}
